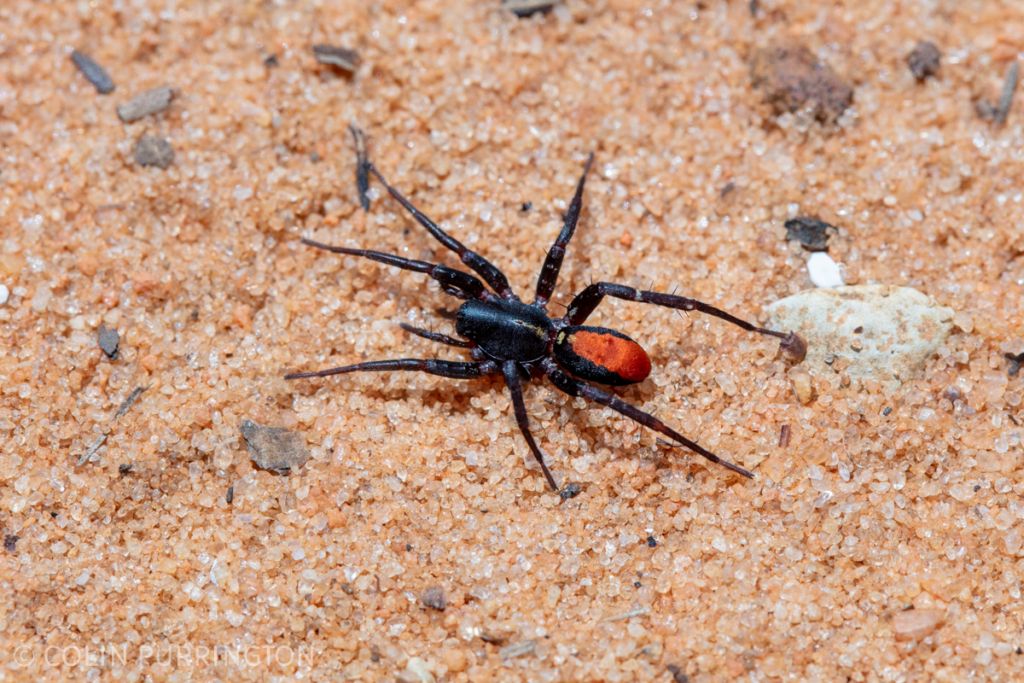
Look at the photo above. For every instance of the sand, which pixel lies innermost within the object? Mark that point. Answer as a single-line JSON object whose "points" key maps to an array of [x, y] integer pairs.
{"points": [[883, 542]]}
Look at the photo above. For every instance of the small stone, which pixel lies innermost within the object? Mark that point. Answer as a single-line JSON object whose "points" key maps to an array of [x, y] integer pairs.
{"points": [[5, 294], [150, 102], [434, 598], [109, 341], [896, 328], [823, 271], [913, 624], [11, 542], [151, 150], [416, 671], [93, 72], [924, 59], [342, 57], [802, 386], [273, 448], [812, 233], [570, 490], [1016, 360], [677, 674], [791, 79]]}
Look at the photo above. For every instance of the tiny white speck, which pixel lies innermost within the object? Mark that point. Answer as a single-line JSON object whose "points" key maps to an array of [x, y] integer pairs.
{"points": [[823, 271], [4, 294]]}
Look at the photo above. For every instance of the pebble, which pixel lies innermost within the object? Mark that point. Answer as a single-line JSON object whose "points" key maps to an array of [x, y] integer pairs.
{"points": [[881, 332], [791, 79], [5, 294], [109, 340], [924, 59], [151, 150], [150, 102], [823, 271], [913, 624], [811, 232], [434, 598], [93, 72], [273, 448]]}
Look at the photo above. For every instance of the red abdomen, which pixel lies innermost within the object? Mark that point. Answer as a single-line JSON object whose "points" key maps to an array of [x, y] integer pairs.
{"points": [[601, 355]]}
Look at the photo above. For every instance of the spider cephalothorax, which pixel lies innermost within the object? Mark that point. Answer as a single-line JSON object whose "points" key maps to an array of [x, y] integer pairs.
{"points": [[517, 339]]}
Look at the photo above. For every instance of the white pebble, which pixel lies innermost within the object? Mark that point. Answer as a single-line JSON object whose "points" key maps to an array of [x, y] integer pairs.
{"points": [[4, 294], [824, 272]]}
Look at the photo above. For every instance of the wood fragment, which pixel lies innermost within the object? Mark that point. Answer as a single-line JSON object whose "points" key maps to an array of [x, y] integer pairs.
{"points": [[784, 436], [362, 167]]}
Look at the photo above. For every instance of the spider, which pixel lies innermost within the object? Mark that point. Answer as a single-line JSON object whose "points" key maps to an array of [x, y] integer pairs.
{"points": [[521, 340]]}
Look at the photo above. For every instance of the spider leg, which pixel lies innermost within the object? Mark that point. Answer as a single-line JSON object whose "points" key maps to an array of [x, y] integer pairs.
{"points": [[444, 368], [487, 270], [586, 301], [576, 388], [511, 371], [436, 336], [548, 277], [454, 282]]}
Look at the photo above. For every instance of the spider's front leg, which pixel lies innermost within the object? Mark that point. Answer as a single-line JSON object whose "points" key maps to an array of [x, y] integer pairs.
{"points": [[586, 301]]}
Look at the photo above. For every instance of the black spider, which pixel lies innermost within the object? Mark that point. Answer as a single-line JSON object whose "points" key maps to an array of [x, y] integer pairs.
{"points": [[518, 339]]}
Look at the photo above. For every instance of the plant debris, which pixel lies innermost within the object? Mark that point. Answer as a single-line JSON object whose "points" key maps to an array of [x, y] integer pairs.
{"points": [[784, 435], [102, 438], [273, 448], [811, 232], [791, 79], [525, 8], [1000, 111], [362, 167], [924, 60], [343, 58], [93, 72], [434, 598], [109, 341], [151, 150]]}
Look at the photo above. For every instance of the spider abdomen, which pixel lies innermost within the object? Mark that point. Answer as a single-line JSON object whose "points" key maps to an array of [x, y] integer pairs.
{"points": [[601, 355], [504, 329]]}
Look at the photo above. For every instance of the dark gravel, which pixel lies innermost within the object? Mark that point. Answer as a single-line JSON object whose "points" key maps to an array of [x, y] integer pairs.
{"points": [[924, 60], [93, 72]]}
